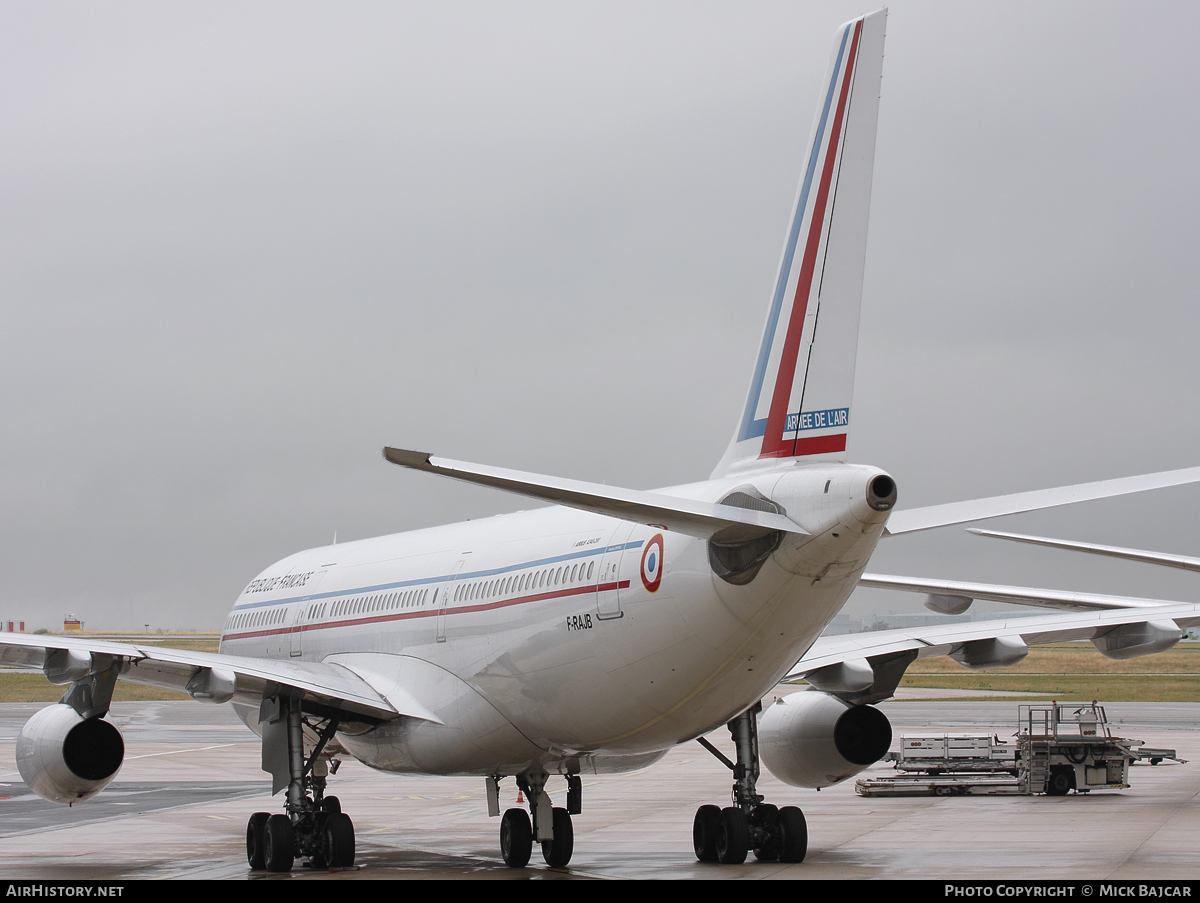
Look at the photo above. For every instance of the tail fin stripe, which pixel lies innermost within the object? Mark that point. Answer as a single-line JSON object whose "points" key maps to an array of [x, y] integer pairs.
{"points": [[752, 428], [774, 445], [820, 445], [802, 388]]}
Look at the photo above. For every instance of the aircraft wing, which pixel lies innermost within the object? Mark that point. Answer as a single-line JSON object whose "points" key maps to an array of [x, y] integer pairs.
{"points": [[691, 516], [1016, 595], [867, 667], [205, 675], [915, 519], [1186, 562]]}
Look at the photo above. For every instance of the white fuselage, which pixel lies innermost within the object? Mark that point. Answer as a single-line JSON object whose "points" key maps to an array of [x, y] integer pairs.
{"points": [[558, 639]]}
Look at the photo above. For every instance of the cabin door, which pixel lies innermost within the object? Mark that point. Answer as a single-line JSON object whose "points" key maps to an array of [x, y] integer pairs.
{"points": [[304, 614], [608, 597]]}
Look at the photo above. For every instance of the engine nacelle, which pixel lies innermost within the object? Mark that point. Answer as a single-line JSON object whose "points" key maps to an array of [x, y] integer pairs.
{"points": [[1144, 638], [813, 739], [65, 758]]}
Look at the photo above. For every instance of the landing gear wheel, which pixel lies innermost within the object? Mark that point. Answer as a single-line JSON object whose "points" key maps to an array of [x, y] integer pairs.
{"points": [[280, 846], [331, 805], [765, 817], [557, 852], [256, 839], [793, 834], [516, 838], [337, 837], [704, 833], [733, 837]]}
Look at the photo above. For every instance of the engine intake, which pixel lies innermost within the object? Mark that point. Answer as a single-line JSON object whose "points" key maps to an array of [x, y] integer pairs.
{"points": [[65, 758], [813, 739]]}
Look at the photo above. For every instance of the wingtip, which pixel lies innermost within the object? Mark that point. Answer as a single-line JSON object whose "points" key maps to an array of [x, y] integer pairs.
{"points": [[406, 458]]}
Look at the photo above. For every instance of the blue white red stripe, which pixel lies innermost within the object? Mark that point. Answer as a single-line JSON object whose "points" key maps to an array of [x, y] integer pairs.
{"points": [[810, 219]]}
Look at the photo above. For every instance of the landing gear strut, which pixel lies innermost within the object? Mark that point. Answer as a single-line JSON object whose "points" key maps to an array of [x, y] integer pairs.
{"points": [[314, 828], [728, 835], [550, 825]]}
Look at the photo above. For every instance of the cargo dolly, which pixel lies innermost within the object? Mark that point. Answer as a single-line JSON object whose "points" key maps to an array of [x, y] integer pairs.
{"points": [[1057, 748]]}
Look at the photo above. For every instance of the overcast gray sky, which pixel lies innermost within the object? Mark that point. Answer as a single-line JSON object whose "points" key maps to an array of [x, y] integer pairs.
{"points": [[245, 245]]}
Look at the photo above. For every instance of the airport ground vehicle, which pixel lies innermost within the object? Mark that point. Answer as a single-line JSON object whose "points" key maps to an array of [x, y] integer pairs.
{"points": [[1057, 748]]}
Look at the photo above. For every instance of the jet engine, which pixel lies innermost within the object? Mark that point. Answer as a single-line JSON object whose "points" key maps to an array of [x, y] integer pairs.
{"points": [[65, 758], [813, 739]]}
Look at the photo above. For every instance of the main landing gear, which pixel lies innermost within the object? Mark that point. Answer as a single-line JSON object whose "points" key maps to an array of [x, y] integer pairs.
{"points": [[550, 825], [728, 835], [314, 828]]}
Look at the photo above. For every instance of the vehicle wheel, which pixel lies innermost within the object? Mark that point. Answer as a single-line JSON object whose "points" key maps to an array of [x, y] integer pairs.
{"points": [[1154, 761], [793, 834], [256, 840], [331, 804], [766, 818], [280, 846], [1059, 783], [557, 852], [704, 833], [516, 838], [338, 834], [733, 837]]}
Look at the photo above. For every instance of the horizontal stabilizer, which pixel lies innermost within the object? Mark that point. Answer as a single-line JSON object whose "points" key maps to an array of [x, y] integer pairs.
{"points": [[1186, 562], [915, 519], [696, 518], [1016, 595]]}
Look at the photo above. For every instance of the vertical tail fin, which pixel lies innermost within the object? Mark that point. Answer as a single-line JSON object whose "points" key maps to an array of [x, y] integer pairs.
{"points": [[799, 400]]}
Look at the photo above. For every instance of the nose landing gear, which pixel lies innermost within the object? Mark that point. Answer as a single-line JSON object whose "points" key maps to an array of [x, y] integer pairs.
{"points": [[551, 825]]}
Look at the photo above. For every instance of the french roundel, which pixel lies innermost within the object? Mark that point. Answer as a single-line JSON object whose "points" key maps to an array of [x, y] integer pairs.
{"points": [[652, 563]]}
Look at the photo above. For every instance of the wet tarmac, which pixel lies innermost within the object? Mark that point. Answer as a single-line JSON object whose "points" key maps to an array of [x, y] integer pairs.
{"points": [[191, 778]]}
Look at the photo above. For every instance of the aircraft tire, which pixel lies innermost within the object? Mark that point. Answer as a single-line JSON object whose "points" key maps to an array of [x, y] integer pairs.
{"points": [[256, 840], [280, 846], [793, 834], [339, 840], [704, 833], [557, 852], [331, 805], [733, 837], [516, 838]]}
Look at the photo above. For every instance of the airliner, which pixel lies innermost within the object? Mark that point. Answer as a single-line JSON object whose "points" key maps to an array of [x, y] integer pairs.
{"points": [[594, 635]]}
